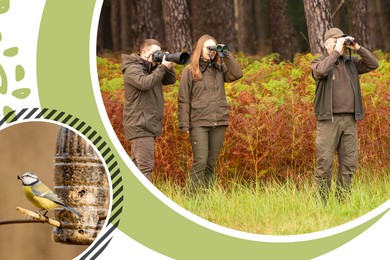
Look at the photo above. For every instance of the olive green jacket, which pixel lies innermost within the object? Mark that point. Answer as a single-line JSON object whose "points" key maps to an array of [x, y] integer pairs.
{"points": [[203, 103]]}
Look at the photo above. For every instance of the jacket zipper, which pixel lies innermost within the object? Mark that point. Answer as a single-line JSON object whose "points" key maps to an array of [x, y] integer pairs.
{"points": [[354, 94], [331, 99]]}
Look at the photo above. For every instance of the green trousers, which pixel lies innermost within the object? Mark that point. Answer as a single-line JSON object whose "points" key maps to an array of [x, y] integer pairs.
{"points": [[206, 144], [339, 134]]}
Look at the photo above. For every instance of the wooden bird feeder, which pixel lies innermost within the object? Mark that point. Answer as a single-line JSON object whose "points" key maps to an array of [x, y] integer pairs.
{"points": [[81, 181]]}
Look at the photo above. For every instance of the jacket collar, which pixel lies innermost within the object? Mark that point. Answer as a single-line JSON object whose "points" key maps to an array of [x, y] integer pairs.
{"points": [[203, 64], [148, 65]]}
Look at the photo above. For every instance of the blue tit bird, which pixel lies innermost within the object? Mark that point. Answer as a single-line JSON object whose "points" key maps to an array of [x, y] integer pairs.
{"points": [[40, 195]]}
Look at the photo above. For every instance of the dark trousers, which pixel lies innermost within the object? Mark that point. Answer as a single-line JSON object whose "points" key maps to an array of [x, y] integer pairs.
{"points": [[142, 154], [341, 135], [206, 144]]}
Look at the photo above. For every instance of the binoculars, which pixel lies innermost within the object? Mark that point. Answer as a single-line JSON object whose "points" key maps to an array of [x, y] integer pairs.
{"points": [[178, 57], [349, 41], [218, 48]]}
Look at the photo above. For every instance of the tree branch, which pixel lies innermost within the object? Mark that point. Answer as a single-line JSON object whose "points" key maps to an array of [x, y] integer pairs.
{"points": [[37, 218], [306, 40], [338, 8]]}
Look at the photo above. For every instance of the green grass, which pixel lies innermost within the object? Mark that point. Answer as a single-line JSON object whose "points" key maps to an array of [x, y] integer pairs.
{"points": [[282, 209]]}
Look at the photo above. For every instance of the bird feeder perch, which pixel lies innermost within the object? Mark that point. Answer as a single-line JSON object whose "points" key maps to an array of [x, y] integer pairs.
{"points": [[81, 181]]}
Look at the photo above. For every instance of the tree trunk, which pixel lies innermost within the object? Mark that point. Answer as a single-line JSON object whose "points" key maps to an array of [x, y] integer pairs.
{"points": [[216, 18], [261, 16], [283, 38], [177, 25], [318, 19], [146, 22], [378, 23], [103, 39], [246, 32], [115, 25], [385, 24], [339, 12], [357, 18], [124, 25]]}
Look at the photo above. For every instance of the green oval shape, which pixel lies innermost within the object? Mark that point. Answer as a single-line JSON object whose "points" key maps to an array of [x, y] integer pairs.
{"points": [[21, 93], [19, 73], [3, 81], [4, 6], [13, 51]]}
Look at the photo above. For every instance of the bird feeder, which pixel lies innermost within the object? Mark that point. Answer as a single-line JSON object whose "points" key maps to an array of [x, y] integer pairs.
{"points": [[80, 180]]}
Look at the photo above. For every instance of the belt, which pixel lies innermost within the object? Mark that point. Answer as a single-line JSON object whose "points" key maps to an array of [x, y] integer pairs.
{"points": [[343, 114]]}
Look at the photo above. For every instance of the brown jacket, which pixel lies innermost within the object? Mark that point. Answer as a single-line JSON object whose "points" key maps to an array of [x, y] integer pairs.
{"points": [[144, 101], [203, 103], [323, 73]]}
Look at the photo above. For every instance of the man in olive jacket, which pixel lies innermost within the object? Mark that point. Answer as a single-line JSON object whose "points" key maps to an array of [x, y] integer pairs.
{"points": [[144, 102], [338, 104]]}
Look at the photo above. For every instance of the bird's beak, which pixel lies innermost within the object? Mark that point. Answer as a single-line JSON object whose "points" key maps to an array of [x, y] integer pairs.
{"points": [[19, 178]]}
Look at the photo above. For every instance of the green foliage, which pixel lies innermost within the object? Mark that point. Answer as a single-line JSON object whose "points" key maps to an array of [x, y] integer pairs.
{"points": [[110, 75], [111, 85], [272, 123]]}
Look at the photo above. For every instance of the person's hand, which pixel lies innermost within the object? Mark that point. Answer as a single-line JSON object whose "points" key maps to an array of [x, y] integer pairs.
{"points": [[339, 45], [167, 64], [184, 130], [354, 47]]}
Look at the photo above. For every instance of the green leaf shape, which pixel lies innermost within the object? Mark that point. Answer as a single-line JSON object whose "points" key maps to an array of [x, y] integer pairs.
{"points": [[4, 6], [13, 51], [1, 37], [21, 93], [3, 81], [8, 111], [19, 73]]}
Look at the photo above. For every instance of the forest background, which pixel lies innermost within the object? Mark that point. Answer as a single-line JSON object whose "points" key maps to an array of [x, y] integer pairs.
{"points": [[254, 27], [272, 124]]}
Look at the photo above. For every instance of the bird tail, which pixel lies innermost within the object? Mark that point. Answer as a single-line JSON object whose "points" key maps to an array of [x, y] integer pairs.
{"points": [[73, 210]]}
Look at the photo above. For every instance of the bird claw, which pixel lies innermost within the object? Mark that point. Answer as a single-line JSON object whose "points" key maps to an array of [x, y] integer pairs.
{"points": [[39, 212]]}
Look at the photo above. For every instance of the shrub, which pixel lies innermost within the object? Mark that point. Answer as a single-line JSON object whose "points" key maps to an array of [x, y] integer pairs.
{"points": [[272, 123]]}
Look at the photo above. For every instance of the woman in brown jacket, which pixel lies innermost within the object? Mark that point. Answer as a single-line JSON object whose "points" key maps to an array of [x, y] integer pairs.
{"points": [[203, 109]]}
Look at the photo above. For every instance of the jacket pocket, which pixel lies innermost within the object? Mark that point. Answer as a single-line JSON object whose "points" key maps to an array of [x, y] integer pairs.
{"points": [[197, 110], [152, 121], [223, 110]]}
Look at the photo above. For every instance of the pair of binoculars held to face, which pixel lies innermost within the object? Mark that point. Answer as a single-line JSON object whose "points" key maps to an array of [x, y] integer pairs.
{"points": [[219, 48], [349, 41]]}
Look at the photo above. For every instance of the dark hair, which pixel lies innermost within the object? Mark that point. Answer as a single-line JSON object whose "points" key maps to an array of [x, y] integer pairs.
{"points": [[147, 43]]}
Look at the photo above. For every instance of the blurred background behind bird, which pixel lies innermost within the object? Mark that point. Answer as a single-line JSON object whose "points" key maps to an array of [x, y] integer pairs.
{"points": [[28, 147]]}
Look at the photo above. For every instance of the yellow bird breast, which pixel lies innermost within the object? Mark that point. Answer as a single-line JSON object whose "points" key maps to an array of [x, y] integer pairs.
{"points": [[39, 202]]}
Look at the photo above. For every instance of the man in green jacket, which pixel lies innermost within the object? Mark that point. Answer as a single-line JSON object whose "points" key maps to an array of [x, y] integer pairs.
{"points": [[144, 102], [338, 105]]}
